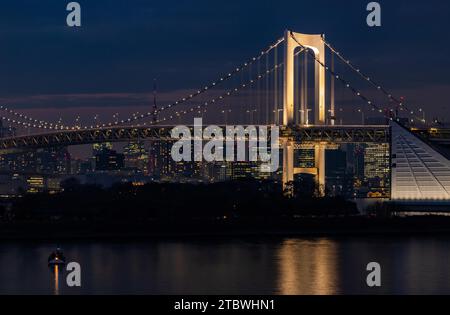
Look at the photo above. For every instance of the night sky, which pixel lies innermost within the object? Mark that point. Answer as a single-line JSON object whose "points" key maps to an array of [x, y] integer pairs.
{"points": [[47, 67]]}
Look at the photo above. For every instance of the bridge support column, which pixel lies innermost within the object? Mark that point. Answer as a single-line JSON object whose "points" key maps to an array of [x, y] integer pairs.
{"points": [[288, 166], [315, 43], [319, 155]]}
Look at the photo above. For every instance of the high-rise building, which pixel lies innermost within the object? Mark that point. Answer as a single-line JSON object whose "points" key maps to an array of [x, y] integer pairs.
{"points": [[19, 162], [98, 147], [79, 167], [217, 171], [338, 179], [162, 163], [358, 161], [55, 160], [136, 157], [53, 184], [35, 184], [243, 170], [376, 168], [304, 158], [109, 160], [153, 159]]}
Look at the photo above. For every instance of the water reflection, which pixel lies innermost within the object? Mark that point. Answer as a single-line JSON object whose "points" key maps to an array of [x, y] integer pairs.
{"points": [[308, 267], [56, 277], [232, 266]]}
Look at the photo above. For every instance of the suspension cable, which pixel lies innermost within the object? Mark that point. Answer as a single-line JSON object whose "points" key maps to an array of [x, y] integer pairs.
{"points": [[345, 82], [364, 75], [250, 82], [42, 124]]}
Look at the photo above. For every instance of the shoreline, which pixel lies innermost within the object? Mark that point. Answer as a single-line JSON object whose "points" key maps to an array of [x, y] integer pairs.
{"points": [[257, 227]]}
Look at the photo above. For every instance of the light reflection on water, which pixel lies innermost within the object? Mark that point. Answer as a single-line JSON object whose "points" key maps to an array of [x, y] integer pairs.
{"points": [[266, 266], [308, 267], [56, 275]]}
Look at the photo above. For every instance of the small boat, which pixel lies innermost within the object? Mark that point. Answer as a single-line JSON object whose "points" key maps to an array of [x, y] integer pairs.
{"points": [[56, 258]]}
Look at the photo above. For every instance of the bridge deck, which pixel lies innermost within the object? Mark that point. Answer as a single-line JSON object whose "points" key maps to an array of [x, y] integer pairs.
{"points": [[302, 134]]}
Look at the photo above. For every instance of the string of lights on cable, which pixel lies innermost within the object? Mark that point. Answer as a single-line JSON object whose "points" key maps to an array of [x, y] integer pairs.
{"points": [[41, 124], [201, 108], [338, 77], [368, 78]]}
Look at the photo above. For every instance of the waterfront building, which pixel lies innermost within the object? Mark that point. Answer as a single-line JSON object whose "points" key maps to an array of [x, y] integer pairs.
{"points": [[53, 185], [35, 184]]}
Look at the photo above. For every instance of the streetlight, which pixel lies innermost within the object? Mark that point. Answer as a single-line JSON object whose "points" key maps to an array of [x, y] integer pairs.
{"points": [[116, 116], [306, 114], [277, 116], [76, 122], [423, 115], [332, 116], [225, 112], [362, 116], [253, 113]]}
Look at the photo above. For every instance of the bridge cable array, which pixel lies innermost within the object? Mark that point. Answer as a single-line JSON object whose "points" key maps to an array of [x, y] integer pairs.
{"points": [[246, 84], [42, 124], [338, 77], [367, 78], [29, 122], [348, 85]]}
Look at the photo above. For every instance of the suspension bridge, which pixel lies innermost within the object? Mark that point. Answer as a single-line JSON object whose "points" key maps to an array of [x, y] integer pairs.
{"points": [[275, 88]]}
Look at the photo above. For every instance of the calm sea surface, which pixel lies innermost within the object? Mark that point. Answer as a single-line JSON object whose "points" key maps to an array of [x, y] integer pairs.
{"points": [[419, 265]]}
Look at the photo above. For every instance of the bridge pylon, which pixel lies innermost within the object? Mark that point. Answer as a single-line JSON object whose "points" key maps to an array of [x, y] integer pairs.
{"points": [[314, 42]]}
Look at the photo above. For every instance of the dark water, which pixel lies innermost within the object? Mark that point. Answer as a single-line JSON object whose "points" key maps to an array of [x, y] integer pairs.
{"points": [[286, 266]]}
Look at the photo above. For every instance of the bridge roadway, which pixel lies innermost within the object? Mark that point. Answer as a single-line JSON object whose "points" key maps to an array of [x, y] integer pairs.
{"points": [[437, 135], [300, 134]]}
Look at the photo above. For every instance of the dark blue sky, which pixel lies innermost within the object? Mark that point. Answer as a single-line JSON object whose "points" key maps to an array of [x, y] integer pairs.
{"points": [[123, 44]]}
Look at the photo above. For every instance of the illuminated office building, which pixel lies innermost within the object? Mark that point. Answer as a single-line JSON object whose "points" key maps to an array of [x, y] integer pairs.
{"points": [[98, 147], [339, 178], [53, 184], [108, 160], [19, 162], [35, 184], [376, 168], [217, 171], [304, 158], [53, 161], [243, 170], [79, 167], [136, 157], [161, 164]]}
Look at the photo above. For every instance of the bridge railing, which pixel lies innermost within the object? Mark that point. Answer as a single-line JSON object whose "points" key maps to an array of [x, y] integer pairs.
{"points": [[301, 134]]}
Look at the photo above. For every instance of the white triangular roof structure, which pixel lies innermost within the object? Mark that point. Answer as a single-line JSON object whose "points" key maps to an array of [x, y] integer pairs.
{"points": [[418, 171]]}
